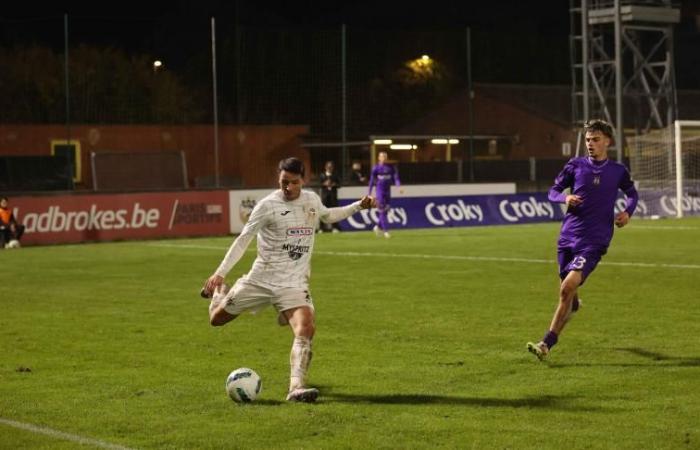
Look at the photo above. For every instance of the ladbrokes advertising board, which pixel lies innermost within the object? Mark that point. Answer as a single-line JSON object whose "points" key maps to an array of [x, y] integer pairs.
{"points": [[80, 218]]}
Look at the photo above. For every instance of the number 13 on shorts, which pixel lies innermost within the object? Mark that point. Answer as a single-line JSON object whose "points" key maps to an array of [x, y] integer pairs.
{"points": [[577, 263]]}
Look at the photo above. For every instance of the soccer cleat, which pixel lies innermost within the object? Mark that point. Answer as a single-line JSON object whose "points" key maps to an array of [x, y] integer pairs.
{"points": [[540, 350], [387, 235], [377, 230], [335, 230], [306, 395]]}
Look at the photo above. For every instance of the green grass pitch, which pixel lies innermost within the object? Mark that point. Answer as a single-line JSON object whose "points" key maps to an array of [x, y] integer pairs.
{"points": [[420, 344]]}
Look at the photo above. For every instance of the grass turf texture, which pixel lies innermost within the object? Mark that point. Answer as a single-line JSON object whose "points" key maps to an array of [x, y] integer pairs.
{"points": [[421, 350]]}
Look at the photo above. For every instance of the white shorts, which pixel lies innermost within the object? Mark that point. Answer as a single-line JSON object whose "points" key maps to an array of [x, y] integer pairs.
{"points": [[246, 295]]}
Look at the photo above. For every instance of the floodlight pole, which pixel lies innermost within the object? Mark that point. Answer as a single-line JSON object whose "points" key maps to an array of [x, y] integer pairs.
{"points": [[66, 76], [620, 126], [344, 124], [470, 105], [215, 102], [67, 81]]}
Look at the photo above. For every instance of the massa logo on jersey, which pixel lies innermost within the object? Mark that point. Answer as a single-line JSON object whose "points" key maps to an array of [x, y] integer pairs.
{"points": [[295, 251], [300, 231]]}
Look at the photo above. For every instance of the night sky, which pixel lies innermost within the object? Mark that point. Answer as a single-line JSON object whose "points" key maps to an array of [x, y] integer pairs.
{"points": [[172, 28]]}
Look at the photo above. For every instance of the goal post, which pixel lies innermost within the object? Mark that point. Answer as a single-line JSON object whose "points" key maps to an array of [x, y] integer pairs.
{"points": [[680, 140], [665, 164]]}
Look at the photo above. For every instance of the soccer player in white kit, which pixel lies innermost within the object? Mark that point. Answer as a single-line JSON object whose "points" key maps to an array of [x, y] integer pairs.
{"points": [[284, 222]]}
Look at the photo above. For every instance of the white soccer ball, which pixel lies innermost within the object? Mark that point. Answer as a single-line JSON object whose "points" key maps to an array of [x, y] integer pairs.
{"points": [[243, 385], [14, 243]]}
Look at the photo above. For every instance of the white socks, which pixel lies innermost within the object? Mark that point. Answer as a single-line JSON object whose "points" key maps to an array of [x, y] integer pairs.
{"points": [[299, 360]]}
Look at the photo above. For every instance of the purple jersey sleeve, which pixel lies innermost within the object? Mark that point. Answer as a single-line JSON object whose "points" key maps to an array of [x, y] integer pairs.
{"points": [[627, 186], [564, 180]]}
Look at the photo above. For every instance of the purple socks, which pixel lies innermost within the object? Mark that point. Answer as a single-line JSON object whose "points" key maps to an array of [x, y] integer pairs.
{"points": [[550, 339]]}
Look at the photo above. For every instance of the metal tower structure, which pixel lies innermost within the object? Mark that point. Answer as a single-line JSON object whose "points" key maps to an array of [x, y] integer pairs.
{"points": [[622, 65]]}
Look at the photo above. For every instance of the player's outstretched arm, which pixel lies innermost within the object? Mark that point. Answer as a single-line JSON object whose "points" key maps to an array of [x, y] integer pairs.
{"points": [[368, 202], [332, 215], [258, 218]]}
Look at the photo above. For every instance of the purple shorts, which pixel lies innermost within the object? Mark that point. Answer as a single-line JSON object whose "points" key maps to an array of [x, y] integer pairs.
{"points": [[585, 260]]}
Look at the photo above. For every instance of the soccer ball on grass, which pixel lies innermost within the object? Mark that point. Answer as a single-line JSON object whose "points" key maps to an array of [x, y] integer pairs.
{"points": [[243, 385], [14, 243]]}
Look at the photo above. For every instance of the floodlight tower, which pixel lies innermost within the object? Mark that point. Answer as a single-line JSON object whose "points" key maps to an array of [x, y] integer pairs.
{"points": [[622, 65]]}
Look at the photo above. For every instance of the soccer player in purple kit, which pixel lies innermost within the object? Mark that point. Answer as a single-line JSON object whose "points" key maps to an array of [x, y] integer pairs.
{"points": [[588, 224], [383, 175]]}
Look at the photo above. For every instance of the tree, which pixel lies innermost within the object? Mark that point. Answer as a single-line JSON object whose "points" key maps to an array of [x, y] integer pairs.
{"points": [[106, 86]]}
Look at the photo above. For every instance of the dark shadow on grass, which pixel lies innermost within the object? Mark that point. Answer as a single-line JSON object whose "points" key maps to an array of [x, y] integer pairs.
{"points": [[268, 402], [681, 361], [659, 360], [543, 401]]}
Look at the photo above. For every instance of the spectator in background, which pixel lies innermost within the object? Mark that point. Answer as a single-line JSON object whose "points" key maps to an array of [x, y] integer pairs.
{"points": [[10, 230], [357, 177], [384, 175], [329, 194]]}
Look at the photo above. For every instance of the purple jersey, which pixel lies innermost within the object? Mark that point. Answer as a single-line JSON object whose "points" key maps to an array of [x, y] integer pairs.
{"points": [[590, 224], [384, 176]]}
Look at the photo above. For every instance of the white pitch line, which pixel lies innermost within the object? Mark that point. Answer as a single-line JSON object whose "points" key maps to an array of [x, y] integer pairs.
{"points": [[499, 259], [662, 227], [61, 435], [453, 257]]}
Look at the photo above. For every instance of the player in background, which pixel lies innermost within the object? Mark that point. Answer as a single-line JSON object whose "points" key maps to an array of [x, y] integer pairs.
{"points": [[383, 175], [284, 223], [587, 228]]}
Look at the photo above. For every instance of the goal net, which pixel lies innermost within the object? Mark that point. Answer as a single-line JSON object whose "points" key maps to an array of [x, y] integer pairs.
{"points": [[665, 164]]}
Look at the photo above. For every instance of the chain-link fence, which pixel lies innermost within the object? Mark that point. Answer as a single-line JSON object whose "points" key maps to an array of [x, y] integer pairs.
{"points": [[78, 86]]}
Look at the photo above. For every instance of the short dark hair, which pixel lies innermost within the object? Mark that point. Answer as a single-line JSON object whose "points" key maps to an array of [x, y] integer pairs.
{"points": [[599, 125], [293, 165]]}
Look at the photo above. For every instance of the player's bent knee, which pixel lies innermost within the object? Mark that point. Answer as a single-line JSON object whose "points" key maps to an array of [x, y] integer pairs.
{"points": [[302, 321], [307, 330], [304, 328]]}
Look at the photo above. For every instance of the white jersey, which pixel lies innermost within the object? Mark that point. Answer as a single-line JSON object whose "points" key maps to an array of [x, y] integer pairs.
{"points": [[285, 236]]}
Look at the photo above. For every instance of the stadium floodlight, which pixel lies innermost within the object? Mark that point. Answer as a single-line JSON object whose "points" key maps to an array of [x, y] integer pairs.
{"points": [[444, 141], [403, 147], [382, 142]]}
